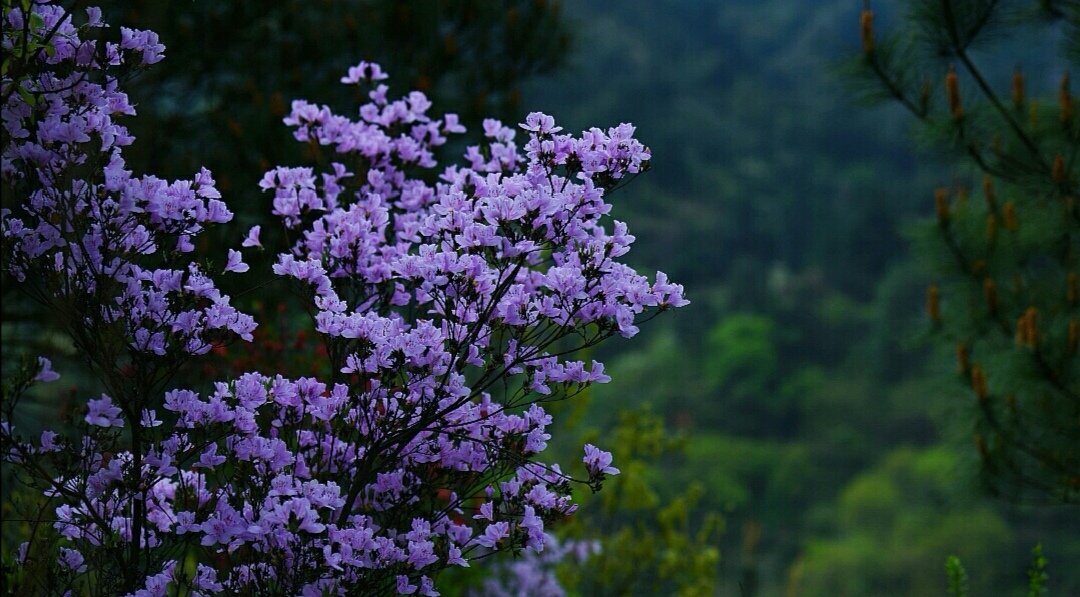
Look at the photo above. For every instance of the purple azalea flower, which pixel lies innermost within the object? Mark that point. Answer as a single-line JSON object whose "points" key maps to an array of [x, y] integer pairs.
{"points": [[46, 373], [236, 263], [598, 461], [252, 239], [102, 413]]}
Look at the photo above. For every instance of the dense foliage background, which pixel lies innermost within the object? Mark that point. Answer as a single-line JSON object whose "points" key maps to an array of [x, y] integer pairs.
{"points": [[823, 417], [818, 439]]}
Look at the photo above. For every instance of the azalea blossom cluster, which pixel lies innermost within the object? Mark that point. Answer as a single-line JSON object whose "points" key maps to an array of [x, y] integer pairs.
{"points": [[100, 245], [533, 574], [452, 300]]}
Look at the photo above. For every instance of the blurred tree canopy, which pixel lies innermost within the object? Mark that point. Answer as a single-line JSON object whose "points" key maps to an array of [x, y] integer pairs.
{"points": [[896, 523], [805, 364]]}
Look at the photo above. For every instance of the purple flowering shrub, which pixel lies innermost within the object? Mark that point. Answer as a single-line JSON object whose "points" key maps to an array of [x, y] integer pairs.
{"points": [[534, 573], [451, 301]]}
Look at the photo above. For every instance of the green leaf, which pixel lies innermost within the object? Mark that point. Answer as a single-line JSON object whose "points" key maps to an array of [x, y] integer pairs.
{"points": [[27, 96], [958, 580], [1037, 575]]}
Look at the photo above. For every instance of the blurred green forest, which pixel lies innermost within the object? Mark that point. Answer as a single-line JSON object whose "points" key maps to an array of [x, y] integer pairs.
{"points": [[832, 433], [814, 411]]}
